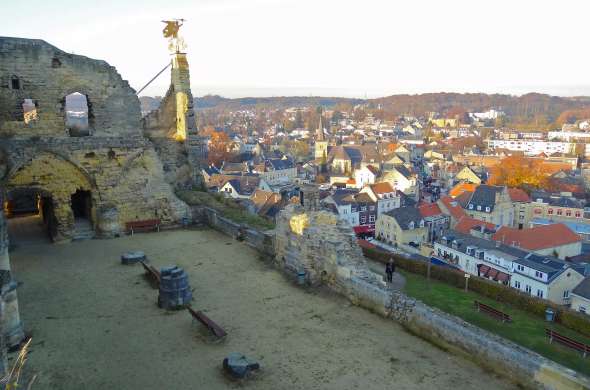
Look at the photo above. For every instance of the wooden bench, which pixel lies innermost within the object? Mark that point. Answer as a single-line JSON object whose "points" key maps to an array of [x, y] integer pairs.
{"points": [[215, 329], [152, 273], [497, 314], [554, 336], [146, 225]]}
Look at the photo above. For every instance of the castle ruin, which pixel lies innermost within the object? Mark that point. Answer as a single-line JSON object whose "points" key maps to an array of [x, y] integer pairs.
{"points": [[89, 170]]}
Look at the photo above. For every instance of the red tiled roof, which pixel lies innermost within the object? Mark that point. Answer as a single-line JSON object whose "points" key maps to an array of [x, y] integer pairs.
{"points": [[382, 187], [453, 207], [429, 210], [538, 237], [466, 223], [461, 188], [518, 195]]}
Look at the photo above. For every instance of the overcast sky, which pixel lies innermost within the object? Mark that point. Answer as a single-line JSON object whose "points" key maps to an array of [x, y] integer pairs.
{"points": [[327, 47]]}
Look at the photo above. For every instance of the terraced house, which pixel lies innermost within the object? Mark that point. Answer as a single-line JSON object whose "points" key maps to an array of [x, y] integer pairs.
{"points": [[541, 276], [491, 204]]}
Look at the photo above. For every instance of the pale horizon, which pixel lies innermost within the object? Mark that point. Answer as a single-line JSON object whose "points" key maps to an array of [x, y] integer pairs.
{"points": [[330, 48]]}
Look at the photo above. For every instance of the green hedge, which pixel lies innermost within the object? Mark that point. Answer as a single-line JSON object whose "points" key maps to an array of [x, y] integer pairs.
{"points": [[498, 292]]}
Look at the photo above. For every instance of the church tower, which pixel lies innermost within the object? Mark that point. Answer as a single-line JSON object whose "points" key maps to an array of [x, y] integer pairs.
{"points": [[321, 144]]}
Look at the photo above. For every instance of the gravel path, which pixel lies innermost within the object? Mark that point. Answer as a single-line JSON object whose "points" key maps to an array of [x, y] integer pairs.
{"points": [[95, 324]]}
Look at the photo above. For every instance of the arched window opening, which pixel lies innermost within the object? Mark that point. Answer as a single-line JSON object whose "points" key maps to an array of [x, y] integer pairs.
{"points": [[77, 114], [30, 111]]}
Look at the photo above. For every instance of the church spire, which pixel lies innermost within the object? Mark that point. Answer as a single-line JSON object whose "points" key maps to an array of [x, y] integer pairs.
{"points": [[319, 134]]}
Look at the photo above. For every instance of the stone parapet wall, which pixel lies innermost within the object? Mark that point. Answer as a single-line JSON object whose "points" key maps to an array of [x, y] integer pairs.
{"points": [[259, 240]]}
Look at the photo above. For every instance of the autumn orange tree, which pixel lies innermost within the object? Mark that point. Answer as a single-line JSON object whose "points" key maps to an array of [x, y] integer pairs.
{"points": [[518, 171], [219, 148]]}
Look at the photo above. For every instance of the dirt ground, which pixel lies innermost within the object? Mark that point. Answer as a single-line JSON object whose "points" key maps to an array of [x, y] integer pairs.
{"points": [[95, 324]]}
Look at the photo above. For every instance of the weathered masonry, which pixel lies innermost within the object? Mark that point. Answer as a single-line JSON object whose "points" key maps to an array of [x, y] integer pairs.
{"points": [[88, 165]]}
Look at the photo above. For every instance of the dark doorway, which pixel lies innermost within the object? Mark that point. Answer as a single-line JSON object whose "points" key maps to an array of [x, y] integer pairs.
{"points": [[22, 202], [81, 204], [30, 216]]}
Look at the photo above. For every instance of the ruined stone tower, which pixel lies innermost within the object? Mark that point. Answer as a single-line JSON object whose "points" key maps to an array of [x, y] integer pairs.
{"points": [[173, 130]]}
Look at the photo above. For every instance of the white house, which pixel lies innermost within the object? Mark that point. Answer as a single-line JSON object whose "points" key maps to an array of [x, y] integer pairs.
{"points": [[541, 276], [385, 195], [365, 175]]}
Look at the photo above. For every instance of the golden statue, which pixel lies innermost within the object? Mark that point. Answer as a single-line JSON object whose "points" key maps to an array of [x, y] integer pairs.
{"points": [[175, 42]]}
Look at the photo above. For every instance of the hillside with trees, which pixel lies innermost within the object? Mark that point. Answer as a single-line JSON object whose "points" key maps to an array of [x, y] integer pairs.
{"points": [[533, 111]]}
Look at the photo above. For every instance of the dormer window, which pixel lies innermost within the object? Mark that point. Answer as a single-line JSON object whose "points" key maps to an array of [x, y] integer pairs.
{"points": [[470, 206], [487, 209], [411, 225], [478, 208]]}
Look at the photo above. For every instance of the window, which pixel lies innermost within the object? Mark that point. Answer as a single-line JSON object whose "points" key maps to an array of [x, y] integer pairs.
{"points": [[487, 209], [363, 219], [470, 207], [29, 111], [582, 309], [528, 289], [540, 293], [372, 208], [539, 274], [517, 284], [520, 267], [578, 214], [478, 208], [568, 213], [77, 114], [363, 208], [559, 212], [15, 82], [566, 294], [371, 218]]}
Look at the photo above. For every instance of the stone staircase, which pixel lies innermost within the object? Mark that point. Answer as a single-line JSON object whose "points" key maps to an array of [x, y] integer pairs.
{"points": [[83, 230]]}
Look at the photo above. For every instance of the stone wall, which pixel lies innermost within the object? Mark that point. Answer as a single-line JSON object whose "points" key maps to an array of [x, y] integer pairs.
{"points": [[116, 164], [47, 75], [11, 328], [261, 241]]}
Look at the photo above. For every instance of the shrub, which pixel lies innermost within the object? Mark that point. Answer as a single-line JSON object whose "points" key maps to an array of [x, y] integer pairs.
{"points": [[498, 292]]}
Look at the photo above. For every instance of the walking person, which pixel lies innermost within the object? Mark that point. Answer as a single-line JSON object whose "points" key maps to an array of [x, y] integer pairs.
{"points": [[389, 271]]}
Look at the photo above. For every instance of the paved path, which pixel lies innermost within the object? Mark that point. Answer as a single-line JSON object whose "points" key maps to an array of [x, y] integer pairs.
{"points": [[379, 268], [27, 231]]}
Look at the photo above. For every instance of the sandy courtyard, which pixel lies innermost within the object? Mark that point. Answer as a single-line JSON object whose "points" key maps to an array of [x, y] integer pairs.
{"points": [[95, 324]]}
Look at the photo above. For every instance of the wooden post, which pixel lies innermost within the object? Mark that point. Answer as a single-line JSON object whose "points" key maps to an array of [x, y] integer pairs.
{"points": [[466, 282]]}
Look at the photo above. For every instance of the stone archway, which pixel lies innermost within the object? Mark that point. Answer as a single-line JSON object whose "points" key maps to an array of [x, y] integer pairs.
{"points": [[60, 179]]}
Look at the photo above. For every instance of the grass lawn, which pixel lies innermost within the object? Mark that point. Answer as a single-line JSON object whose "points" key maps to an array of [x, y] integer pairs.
{"points": [[227, 207], [525, 329]]}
